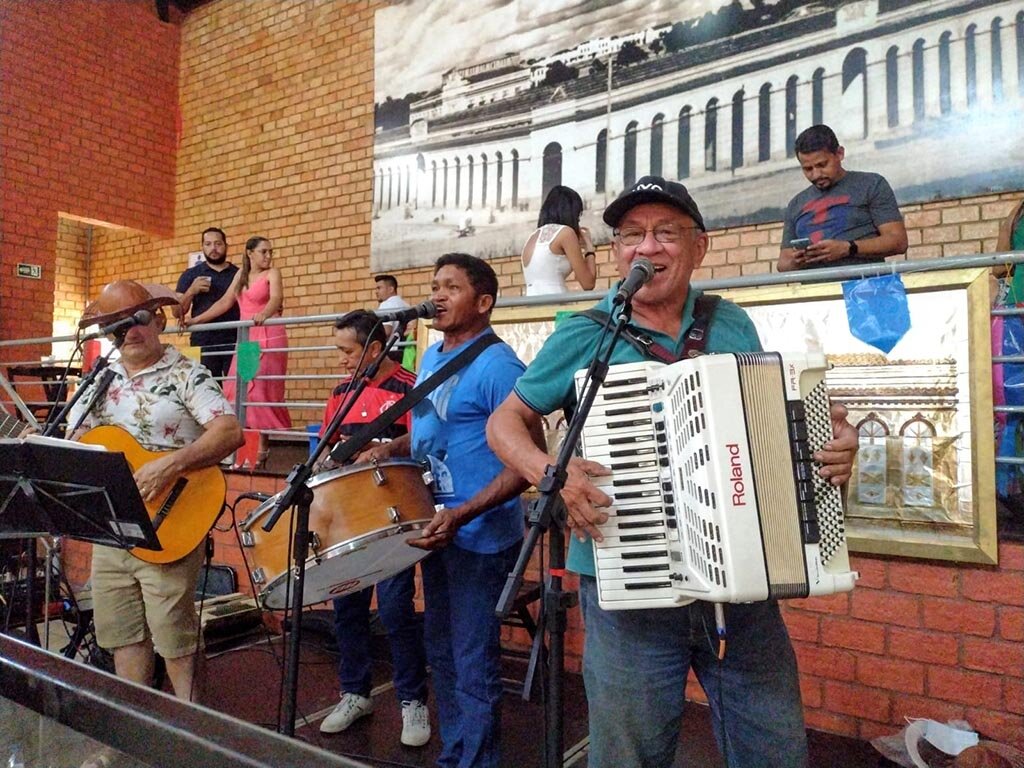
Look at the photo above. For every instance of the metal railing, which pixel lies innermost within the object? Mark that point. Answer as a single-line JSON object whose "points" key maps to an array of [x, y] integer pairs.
{"points": [[835, 274], [10, 387]]}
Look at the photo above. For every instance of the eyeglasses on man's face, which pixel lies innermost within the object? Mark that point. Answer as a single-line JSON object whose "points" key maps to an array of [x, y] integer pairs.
{"points": [[664, 233]]}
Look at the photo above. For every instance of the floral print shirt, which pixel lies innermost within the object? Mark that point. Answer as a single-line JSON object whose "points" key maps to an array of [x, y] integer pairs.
{"points": [[163, 406]]}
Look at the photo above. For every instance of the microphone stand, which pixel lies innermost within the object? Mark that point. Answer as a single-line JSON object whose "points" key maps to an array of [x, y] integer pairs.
{"points": [[54, 424], [547, 510], [298, 494]]}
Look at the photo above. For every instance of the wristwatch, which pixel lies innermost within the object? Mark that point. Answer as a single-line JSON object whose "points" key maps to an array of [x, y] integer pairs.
{"points": [[853, 247], [588, 253]]}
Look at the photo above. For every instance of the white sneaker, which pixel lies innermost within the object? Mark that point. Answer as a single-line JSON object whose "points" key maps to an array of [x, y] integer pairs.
{"points": [[415, 723], [351, 707]]}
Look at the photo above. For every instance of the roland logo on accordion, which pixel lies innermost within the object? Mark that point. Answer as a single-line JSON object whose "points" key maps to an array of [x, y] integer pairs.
{"points": [[739, 490], [715, 492]]}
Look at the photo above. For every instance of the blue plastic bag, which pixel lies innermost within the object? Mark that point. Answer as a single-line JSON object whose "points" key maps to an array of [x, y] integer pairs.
{"points": [[876, 309]]}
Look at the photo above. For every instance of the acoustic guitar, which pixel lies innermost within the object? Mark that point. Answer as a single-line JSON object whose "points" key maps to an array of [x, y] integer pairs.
{"points": [[185, 513]]}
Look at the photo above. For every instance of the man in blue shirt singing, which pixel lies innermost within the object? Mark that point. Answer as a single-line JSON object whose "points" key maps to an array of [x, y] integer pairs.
{"points": [[479, 531]]}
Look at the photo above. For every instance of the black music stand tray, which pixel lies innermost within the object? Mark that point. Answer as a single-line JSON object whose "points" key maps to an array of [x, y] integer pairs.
{"points": [[51, 487]]}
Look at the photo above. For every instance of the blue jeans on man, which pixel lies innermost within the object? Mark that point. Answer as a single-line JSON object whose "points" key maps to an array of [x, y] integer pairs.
{"points": [[635, 664], [405, 636], [463, 639]]}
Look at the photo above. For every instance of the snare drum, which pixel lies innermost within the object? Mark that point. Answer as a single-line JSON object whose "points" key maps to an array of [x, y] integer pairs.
{"points": [[359, 522]]}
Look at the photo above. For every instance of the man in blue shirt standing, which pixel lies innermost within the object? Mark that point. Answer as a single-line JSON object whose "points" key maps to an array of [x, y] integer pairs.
{"points": [[845, 218], [479, 531], [635, 662]]}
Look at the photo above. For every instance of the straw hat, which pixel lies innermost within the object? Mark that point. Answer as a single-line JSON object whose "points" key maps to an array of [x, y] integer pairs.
{"points": [[122, 298]]}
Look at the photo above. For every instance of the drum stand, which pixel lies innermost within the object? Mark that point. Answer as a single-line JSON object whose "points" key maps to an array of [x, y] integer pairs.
{"points": [[548, 512], [298, 494]]}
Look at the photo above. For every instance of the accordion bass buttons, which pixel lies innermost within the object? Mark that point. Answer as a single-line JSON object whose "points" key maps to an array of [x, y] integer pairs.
{"points": [[804, 469]]}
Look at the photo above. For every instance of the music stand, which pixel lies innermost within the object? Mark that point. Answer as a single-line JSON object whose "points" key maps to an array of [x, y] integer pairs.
{"points": [[51, 487]]}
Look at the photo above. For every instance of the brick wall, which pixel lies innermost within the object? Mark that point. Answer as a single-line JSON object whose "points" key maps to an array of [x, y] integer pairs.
{"points": [[276, 139], [916, 639], [71, 260], [87, 128]]}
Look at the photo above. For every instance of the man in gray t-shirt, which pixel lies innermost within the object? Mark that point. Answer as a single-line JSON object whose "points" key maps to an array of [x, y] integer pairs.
{"points": [[844, 218]]}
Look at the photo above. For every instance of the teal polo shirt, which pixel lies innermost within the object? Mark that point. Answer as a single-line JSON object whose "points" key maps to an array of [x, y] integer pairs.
{"points": [[548, 384]]}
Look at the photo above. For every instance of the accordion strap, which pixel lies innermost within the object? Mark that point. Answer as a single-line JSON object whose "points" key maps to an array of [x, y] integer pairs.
{"points": [[693, 344]]}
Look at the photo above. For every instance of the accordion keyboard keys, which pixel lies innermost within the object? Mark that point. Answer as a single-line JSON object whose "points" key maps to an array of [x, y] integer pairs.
{"points": [[634, 559]]}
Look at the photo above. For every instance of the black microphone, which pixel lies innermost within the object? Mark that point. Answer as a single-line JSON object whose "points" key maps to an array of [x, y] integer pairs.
{"points": [[427, 309], [640, 273], [142, 317]]}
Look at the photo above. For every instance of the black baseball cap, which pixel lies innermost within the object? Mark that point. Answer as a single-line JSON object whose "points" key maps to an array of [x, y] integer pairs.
{"points": [[653, 189]]}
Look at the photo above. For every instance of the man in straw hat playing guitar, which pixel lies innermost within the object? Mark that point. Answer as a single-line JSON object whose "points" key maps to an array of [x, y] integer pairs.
{"points": [[170, 404]]}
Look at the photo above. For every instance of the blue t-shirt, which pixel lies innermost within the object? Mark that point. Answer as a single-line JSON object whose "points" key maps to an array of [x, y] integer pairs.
{"points": [[449, 430], [548, 383], [852, 208]]}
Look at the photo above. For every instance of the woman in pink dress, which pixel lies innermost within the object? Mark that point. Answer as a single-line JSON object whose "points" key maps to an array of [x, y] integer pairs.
{"points": [[257, 289]]}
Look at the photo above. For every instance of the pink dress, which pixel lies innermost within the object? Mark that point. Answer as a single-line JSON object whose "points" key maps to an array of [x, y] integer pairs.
{"points": [[252, 301]]}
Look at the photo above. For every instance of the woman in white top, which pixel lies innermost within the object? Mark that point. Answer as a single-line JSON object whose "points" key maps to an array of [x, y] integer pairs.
{"points": [[560, 246]]}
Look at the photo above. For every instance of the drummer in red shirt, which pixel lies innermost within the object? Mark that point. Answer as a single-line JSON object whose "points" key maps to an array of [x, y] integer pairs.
{"points": [[353, 333]]}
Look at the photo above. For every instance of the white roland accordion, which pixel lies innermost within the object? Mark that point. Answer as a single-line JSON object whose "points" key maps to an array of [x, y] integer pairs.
{"points": [[715, 495]]}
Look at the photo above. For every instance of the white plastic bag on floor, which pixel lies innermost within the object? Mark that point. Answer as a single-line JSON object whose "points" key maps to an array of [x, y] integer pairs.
{"points": [[939, 743]]}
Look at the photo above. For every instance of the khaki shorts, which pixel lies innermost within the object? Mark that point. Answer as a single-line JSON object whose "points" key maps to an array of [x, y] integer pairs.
{"points": [[134, 601]]}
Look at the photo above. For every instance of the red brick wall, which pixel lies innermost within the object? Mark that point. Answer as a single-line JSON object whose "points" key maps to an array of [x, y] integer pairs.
{"points": [[89, 94], [936, 229], [277, 136], [276, 105], [916, 639], [276, 140]]}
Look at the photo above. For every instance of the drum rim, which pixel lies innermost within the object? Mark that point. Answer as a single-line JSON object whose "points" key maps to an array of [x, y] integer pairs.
{"points": [[258, 512], [332, 474], [346, 547]]}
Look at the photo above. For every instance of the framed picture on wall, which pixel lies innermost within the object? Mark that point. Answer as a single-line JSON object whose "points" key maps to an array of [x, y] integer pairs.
{"points": [[924, 479]]}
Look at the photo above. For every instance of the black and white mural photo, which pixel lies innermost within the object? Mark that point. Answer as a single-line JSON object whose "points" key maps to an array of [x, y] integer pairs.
{"points": [[483, 106]]}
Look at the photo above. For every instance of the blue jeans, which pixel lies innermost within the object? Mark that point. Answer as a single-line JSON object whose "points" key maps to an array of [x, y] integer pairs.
{"points": [[463, 639], [398, 614], [635, 665]]}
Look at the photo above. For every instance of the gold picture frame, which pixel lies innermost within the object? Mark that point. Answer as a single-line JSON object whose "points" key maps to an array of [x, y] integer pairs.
{"points": [[935, 385], [924, 483]]}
